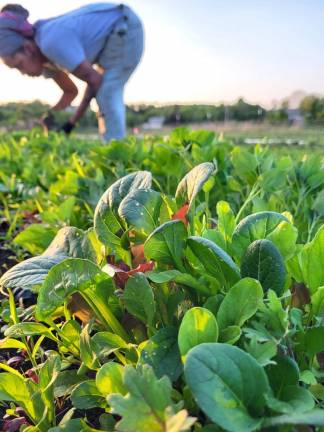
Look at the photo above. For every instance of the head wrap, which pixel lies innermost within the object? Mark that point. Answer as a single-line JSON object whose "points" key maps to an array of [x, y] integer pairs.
{"points": [[14, 29]]}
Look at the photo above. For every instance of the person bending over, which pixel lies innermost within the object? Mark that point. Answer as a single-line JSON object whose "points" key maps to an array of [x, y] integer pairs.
{"points": [[101, 44]]}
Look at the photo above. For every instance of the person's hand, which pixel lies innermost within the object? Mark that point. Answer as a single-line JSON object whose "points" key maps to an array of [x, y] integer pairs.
{"points": [[67, 127], [48, 121]]}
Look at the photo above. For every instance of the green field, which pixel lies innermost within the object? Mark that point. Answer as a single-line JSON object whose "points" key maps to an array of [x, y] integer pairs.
{"points": [[165, 283]]}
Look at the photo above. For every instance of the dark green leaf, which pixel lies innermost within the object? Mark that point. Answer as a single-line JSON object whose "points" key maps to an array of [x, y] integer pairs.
{"points": [[216, 262], [262, 261], [141, 209], [139, 298], [162, 353], [166, 244], [228, 385]]}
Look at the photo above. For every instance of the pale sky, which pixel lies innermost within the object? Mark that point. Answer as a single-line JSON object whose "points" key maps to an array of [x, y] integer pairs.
{"points": [[207, 51]]}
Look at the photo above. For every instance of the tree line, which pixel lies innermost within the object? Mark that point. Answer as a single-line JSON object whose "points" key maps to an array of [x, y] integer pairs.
{"points": [[19, 115]]}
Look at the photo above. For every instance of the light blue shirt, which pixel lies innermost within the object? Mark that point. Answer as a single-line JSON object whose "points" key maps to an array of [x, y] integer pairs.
{"points": [[69, 39]]}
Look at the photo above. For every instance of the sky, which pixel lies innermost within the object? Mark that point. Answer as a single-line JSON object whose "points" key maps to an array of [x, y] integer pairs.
{"points": [[207, 51]]}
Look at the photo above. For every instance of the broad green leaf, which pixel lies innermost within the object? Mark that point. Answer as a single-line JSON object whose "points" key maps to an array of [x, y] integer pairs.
{"points": [[317, 302], [192, 183], [30, 272], [29, 329], [240, 303], [105, 343], [66, 381], [71, 242], [162, 277], [314, 417], [68, 242], [284, 237], [86, 395], [318, 204], [226, 220], [162, 353], [8, 343], [109, 379], [230, 334], [71, 331], [311, 261], [16, 389], [48, 374], [198, 325], [284, 372], [311, 341], [140, 209], [292, 399], [106, 221], [74, 425], [166, 244], [122, 187], [216, 262], [35, 238], [63, 280], [228, 385], [245, 164], [263, 261], [181, 278], [138, 298], [263, 352], [256, 226], [87, 352], [145, 406]]}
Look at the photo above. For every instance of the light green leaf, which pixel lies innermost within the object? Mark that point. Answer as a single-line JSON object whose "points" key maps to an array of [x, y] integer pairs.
{"points": [[226, 220], [317, 302], [35, 238], [145, 406], [192, 183], [197, 326], [284, 237], [230, 334], [311, 261], [8, 343], [262, 352], [29, 329], [16, 389], [87, 352], [109, 379]]}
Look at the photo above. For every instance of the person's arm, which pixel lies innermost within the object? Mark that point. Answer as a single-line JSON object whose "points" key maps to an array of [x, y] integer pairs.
{"points": [[86, 72], [70, 90]]}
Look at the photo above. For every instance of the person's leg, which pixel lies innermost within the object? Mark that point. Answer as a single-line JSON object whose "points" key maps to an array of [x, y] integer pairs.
{"points": [[119, 59], [110, 100]]}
